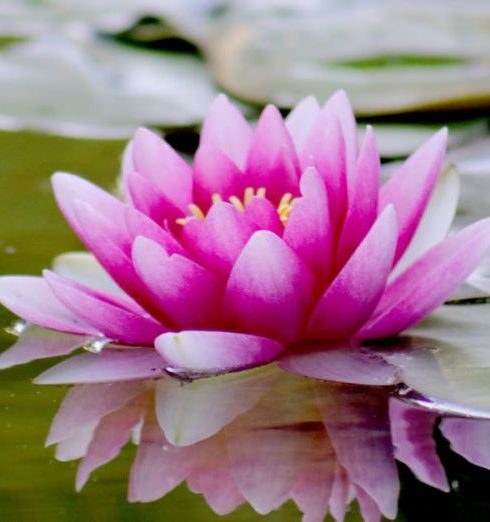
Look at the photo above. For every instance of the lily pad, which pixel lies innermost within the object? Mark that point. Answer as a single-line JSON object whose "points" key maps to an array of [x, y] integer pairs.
{"points": [[97, 88]]}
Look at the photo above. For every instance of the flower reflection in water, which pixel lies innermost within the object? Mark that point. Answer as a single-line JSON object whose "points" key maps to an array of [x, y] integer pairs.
{"points": [[262, 436]]}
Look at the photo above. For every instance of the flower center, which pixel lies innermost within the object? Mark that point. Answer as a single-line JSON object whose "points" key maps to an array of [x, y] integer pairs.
{"points": [[283, 208]]}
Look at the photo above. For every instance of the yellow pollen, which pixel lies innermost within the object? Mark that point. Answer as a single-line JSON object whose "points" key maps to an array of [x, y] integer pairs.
{"points": [[236, 202], [283, 208], [248, 195], [196, 211], [285, 200]]}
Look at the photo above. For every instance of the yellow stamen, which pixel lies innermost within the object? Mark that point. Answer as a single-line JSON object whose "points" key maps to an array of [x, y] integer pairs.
{"points": [[182, 221], [216, 198], [236, 202], [196, 211], [248, 195], [261, 192], [285, 200]]}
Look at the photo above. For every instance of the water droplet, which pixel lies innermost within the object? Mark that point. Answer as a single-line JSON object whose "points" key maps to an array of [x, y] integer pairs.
{"points": [[439, 406], [16, 328], [98, 345]]}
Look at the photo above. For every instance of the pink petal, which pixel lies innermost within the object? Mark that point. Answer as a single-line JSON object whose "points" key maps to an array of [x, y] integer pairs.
{"points": [[269, 290], [111, 365], [264, 215], [428, 282], [354, 293], [217, 241], [111, 315], [215, 352], [32, 299], [146, 197], [158, 467], [86, 404], [213, 480], [111, 434], [313, 487], [363, 199], [369, 509], [264, 463], [75, 447], [200, 409], [339, 497], [215, 173], [339, 105], [272, 162], [359, 429], [469, 438], [436, 220], [325, 150], [224, 128], [347, 364], [155, 159], [69, 188], [412, 432], [300, 120], [37, 343], [410, 187], [308, 230], [186, 293]]}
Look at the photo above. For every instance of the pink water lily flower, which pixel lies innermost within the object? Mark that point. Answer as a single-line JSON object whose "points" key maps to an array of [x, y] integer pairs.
{"points": [[275, 238]]}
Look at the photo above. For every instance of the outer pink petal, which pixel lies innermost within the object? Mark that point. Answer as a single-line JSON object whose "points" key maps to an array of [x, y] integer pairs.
{"points": [[264, 462], [158, 467], [325, 150], [113, 316], [217, 241], [186, 293], [200, 409], [339, 364], [313, 486], [111, 365], [155, 159], [369, 509], [363, 199], [339, 105], [147, 198], [32, 299], [86, 404], [226, 129], [359, 429], [469, 438], [37, 343], [69, 188], [76, 446], [412, 432], [425, 285], [270, 290], [339, 497], [111, 434], [272, 161], [300, 120], [214, 481], [308, 230], [215, 173], [410, 187], [215, 352], [352, 296]]}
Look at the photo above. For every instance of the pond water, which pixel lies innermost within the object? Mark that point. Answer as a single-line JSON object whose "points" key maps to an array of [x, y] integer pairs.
{"points": [[35, 486]]}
